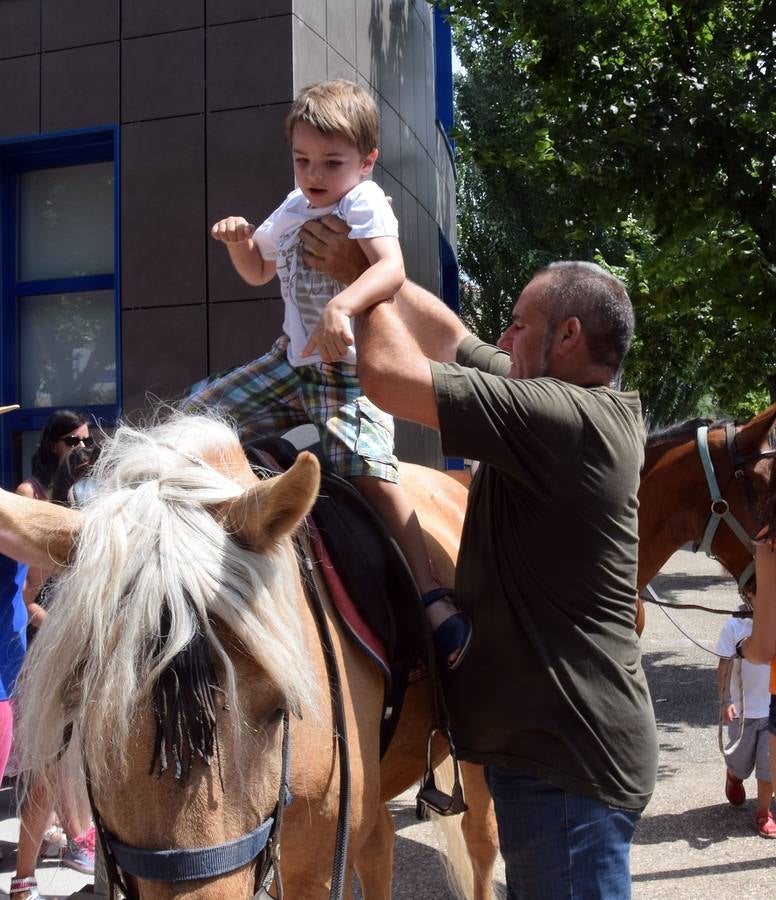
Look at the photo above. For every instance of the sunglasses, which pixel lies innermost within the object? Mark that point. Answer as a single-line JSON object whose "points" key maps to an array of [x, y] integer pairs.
{"points": [[72, 441]]}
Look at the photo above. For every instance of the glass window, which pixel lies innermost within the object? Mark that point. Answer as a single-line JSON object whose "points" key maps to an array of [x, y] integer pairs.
{"points": [[67, 351], [65, 222]]}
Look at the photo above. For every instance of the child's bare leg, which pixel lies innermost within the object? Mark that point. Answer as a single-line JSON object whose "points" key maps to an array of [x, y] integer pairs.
{"points": [[764, 795], [397, 512], [395, 509]]}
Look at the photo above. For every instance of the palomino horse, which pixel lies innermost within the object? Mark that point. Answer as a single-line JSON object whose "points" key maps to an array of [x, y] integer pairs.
{"points": [[182, 548]]}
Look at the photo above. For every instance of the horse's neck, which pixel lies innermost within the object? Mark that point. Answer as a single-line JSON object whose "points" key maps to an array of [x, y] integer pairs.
{"points": [[672, 500]]}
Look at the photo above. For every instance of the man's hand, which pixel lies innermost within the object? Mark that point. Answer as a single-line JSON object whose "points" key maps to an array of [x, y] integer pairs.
{"points": [[233, 230], [328, 249]]}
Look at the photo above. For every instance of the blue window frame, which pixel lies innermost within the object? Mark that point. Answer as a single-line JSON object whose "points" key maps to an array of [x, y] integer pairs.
{"points": [[449, 287], [443, 76], [32, 297]]}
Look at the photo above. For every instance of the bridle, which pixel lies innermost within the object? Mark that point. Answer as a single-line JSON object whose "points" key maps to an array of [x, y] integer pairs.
{"points": [[261, 845], [719, 510]]}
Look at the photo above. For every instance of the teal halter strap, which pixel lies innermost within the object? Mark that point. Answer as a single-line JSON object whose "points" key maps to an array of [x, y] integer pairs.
{"points": [[720, 511]]}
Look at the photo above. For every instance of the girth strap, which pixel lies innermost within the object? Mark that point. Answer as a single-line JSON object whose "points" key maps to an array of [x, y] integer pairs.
{"points": [[188, 865]]}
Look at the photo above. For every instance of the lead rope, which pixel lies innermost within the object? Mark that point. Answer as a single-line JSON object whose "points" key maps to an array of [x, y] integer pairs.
{"points": [[653, 598], [339, 865], [738, 669]]}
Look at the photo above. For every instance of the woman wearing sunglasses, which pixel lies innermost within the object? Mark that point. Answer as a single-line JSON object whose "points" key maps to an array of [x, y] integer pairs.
{"points": [[63, 432]]}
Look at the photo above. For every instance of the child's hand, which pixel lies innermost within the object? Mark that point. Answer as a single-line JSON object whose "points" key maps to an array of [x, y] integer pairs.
{"points": [[332, 335], [233, 230], [729, 712]]}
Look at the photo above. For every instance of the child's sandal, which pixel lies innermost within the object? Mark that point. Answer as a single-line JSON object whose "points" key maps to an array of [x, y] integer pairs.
{"points": [[454, 633]]}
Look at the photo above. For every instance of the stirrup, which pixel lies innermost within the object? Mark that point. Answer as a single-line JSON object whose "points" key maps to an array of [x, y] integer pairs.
{"points": [[25, 884], [430, 798]]}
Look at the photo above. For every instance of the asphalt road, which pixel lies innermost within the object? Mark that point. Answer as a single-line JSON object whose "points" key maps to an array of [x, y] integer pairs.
{"points": [[690, 843]]}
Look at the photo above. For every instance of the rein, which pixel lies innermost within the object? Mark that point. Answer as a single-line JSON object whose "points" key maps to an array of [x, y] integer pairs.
{"points": [[339, 864]]}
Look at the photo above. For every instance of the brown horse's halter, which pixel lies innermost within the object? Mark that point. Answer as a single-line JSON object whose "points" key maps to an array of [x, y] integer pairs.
{"points": [[720, 508], [719, 511]]}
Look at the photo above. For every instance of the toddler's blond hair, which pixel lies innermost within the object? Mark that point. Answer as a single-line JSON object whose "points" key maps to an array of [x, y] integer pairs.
{"points": [[338, 108]]}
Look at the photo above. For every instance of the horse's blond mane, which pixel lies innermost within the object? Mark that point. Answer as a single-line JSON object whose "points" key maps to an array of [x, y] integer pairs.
{"points": [[149, 541]]}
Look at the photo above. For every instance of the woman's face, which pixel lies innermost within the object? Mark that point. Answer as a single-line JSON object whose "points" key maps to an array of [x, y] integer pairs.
{"points": [[65, 445]]}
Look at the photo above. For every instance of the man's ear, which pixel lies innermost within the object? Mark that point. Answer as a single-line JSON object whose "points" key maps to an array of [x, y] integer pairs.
{"points": [[568, 336], [368, 162]]}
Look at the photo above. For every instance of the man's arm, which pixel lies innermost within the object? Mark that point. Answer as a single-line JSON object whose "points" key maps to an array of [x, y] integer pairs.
{"points": [[37, 533], [437, 329], [392, 369]]}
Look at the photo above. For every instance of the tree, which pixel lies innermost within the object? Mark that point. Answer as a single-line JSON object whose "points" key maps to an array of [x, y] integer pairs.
{"points": [[645, 130]]}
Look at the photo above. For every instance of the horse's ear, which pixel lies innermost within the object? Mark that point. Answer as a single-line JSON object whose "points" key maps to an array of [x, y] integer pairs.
{"points": [[272, 509], [36, 533]]}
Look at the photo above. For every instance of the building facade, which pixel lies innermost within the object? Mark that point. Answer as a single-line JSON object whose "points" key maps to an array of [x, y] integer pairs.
{"points": [[127, 127]]}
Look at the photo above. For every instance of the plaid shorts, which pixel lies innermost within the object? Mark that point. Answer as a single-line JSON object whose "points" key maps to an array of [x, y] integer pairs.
{"points": [[270, 396]]}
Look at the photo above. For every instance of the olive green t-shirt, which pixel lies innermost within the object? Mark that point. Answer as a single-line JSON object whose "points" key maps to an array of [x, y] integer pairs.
{"points": [[552, 684]]}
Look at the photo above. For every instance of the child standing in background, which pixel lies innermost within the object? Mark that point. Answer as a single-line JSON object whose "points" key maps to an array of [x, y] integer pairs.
{"points": [[752, 754]]}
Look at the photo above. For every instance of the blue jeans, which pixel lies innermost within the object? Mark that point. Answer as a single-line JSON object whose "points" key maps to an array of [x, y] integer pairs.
{"points": [[557, 845]]}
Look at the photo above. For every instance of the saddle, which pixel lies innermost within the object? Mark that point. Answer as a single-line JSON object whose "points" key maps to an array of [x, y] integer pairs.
{"points": [[367, 575]]}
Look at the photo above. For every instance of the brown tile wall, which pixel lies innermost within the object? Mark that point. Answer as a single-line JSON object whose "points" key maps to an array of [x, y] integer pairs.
{"points": [[200, 89]]}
